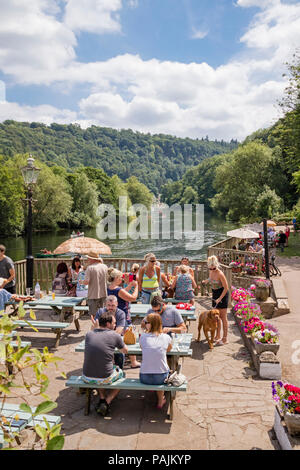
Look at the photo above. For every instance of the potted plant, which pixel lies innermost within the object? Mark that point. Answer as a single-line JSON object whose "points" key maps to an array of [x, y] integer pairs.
{"points": [[245, 310], [262, 289], [236, 266], [250, 269], [266, 339], [238, 294], [287, 397]]}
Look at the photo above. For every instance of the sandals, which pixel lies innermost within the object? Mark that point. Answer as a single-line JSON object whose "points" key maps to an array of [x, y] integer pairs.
{"points": [[159, 407]]}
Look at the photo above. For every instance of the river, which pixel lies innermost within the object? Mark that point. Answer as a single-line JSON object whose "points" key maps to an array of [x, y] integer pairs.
{"points": [[215, 229]]}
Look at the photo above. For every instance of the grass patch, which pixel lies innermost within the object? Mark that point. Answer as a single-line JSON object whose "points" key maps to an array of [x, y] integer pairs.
{"points": [[293, 249]]}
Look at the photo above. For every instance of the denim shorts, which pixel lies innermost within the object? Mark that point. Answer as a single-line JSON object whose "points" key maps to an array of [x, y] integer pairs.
{"points": [[153, 379]]}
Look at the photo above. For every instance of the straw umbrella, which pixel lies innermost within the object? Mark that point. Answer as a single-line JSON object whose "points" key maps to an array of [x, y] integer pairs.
{"points": [[83, 246], [270, 223]]}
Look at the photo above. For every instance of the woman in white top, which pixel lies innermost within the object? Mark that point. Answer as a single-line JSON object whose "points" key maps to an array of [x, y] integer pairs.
{"points": [[155, 344]]}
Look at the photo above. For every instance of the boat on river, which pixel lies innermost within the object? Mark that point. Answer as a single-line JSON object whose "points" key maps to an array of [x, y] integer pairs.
{"points": [[78, 234]]}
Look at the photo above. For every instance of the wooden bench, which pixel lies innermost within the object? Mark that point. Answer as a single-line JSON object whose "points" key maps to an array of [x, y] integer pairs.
{"points": [[125, 384], [11, 410], [57, 327], [80, 309]]}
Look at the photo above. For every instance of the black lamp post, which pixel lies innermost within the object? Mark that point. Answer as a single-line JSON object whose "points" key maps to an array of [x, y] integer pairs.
{"points": [[266, 245], [30, 175]]}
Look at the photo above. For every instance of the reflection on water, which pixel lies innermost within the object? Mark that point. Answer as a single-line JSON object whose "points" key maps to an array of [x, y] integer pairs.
{"points": [[214, 230]]}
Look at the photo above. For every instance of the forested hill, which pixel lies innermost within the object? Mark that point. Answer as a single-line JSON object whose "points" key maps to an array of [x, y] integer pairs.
{"points": [[154, 159]]}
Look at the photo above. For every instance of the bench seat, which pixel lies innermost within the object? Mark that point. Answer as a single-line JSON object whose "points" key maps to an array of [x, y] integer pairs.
{"points": [[57, 327], [124, 384], [25, 420]]}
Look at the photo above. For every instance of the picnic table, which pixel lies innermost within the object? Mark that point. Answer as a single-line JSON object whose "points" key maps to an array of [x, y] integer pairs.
{"points": [[140, 311], [181, 348], [61, 305]]}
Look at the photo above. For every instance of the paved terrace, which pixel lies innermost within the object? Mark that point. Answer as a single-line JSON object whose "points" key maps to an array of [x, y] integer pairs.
{"points": [[226, 406]]}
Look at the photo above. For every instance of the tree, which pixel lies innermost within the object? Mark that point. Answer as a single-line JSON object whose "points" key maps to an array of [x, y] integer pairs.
{"points": [[268, 203], [240, 179], [52, 199], [138, 192], [85, 201], [11, 195]]}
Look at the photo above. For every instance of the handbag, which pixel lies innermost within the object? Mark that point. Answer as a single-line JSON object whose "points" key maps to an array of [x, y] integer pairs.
{"points": [[174, 379], [129, 336]]}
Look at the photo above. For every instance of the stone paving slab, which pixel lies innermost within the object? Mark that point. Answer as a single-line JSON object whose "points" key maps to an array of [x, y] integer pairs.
{"points": [[226, 405]]}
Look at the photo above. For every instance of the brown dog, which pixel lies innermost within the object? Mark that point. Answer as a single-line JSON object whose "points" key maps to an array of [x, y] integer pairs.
{"points": [[209, 320]]}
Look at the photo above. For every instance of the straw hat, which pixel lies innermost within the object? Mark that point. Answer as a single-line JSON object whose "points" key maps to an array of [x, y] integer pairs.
{"points": [[94, 255]]}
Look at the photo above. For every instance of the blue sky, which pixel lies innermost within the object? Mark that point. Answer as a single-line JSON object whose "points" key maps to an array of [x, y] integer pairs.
{"points": [[182, 67]]}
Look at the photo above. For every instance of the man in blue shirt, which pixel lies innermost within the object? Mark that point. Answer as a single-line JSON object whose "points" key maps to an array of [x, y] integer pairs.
{"points": [[172, 321]]}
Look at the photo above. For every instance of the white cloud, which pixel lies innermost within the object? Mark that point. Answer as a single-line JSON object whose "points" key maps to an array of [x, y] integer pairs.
{"points": [[198, 33], [94, 16], [193, 99]]}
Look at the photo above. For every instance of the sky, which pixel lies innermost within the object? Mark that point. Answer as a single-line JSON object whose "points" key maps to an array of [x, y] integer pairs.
{"points": [[188, 68]]}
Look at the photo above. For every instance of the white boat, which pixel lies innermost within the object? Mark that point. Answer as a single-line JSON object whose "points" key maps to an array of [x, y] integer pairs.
{"points": [[75, 235]]}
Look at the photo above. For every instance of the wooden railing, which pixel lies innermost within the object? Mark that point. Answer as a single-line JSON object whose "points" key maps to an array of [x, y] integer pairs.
{"points": [[45, 270], [225, 254]]}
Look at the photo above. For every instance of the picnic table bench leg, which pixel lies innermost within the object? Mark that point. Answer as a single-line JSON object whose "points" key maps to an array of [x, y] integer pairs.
{"points": [[172, 396], [58, 335], [88, 401]]}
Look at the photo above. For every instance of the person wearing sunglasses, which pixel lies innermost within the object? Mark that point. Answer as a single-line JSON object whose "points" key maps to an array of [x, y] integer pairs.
{"points": [[149, 278], [219, 288], [172, 321]]}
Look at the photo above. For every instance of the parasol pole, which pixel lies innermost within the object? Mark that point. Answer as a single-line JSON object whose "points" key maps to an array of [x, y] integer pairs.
{"points": [[266, 245]]}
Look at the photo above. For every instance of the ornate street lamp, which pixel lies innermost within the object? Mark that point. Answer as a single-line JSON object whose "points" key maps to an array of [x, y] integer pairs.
{"points": [[30, 175]]}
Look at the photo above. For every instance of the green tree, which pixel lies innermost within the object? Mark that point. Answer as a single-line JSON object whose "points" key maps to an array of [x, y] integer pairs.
{"points": [[268, 203], [85, 201], [53, 201], [11, 195], [240, 179], [138, 192]]}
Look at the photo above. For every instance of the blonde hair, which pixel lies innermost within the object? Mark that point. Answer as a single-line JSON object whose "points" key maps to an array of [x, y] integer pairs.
{"points": [[183, 268], [135, 267], [212, 261], [148, 256], [155, 323], [112, 274]]}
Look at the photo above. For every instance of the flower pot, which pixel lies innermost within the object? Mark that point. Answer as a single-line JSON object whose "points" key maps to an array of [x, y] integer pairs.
{"points": [[236, 269], [261, 293], [293, 422], [262, 347]]}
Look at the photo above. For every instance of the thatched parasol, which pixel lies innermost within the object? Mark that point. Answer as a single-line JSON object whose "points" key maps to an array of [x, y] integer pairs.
{"points": [[83, 246], [270, 223]]}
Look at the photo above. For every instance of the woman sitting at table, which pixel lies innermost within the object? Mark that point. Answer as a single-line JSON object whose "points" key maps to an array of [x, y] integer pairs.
{"points": [[73, 272], [155, 344], [60, 282], [184, 284]]}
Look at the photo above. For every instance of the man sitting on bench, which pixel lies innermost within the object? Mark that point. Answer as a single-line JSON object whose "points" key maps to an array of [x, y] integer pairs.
{"points": [[98, 368], [172, 321]]}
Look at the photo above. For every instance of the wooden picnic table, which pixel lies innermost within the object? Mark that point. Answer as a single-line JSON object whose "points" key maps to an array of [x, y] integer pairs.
{"points": [[142, 309], [181, 348], [61, 305]]}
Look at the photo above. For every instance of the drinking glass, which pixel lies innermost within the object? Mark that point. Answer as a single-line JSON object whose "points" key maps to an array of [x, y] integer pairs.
{"points": [[28, 291]]}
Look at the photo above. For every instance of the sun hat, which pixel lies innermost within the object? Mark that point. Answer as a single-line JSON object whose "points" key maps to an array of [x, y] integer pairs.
{"points": [[94, 255]]}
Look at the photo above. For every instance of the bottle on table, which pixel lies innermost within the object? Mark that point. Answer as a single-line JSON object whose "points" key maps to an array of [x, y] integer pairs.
{"points": [[37, 291]]}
